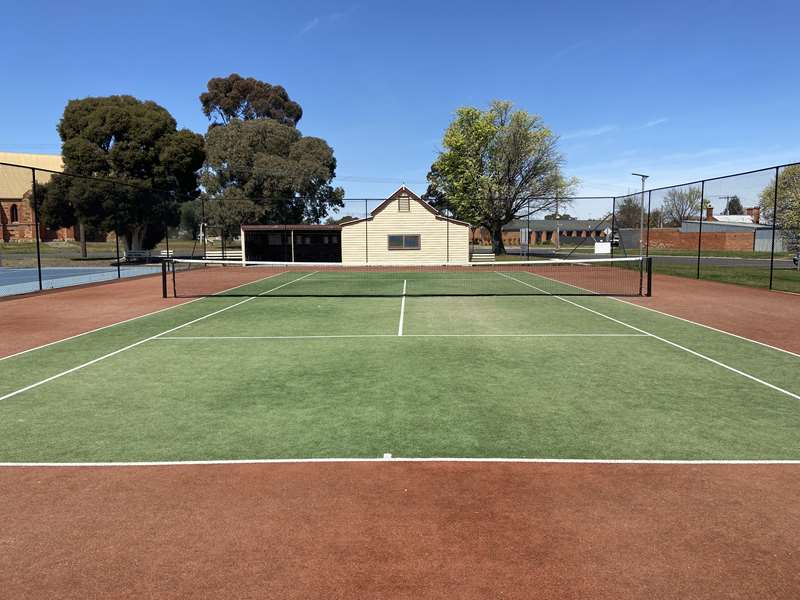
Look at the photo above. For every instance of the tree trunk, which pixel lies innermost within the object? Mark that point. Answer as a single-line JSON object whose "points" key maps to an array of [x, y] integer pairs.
{"points": [[82, 237], [497, 239], [134, 238]]}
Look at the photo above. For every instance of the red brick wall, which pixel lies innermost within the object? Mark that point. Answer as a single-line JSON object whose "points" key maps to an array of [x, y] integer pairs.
{"points": [[24, 229], [674, 239]]}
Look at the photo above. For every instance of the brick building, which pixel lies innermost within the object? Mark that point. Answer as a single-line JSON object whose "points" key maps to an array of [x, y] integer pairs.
{"points": [[17, 222]]}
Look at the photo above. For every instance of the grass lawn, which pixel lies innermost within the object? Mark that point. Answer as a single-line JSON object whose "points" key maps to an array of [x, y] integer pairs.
{"points": [[294, 377], [787, 280]]}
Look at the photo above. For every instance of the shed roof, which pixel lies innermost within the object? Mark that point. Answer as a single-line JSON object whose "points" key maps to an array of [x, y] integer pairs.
{"points": [[299, 227]]}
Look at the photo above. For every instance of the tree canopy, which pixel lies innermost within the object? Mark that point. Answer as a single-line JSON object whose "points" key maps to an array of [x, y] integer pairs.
{"points": [[237, 97], [496, 165], [263, 171], [733, 206], [681, 204], [787, 220], [628, 212], [134, 143]]}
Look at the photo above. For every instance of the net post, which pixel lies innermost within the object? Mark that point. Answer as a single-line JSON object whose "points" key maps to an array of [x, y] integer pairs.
{"points": [[174, 285], [163, 279], [649, 261]]}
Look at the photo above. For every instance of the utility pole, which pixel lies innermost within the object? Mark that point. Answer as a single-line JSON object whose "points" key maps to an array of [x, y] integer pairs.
{"points": [[641, 214]]}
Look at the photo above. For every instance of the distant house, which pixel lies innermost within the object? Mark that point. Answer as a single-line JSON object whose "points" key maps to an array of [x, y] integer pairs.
{"points": [[735, 232], [405, 229], [402, 229], [543, 231], [17, 222]]}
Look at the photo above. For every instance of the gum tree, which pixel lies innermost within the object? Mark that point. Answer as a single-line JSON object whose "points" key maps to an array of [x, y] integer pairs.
{"points": [[128, 141], [497, 165]]}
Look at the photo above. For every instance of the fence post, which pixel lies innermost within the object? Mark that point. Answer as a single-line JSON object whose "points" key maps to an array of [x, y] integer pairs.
{"points": [[447, 253], [647, 242], [613, 223], [649, 260], [774, 226], [528, 241], [116, 239], [700, 226], [203, 224], [366, 232], [163, 279], [35, 202]]}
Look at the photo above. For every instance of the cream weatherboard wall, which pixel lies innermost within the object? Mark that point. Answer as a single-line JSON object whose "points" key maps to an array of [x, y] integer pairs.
{"points": [[367, 240]]}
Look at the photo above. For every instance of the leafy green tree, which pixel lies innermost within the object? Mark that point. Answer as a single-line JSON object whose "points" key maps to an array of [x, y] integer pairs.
{"points": [[497, 165], [190, 219], [787, 220], [681, 204], [263, 171], [237, 97], [733, 206], [561, 217], [129, 141]]}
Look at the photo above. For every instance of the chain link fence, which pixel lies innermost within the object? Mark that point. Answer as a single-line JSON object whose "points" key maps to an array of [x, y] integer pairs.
{"points": [[60, 229]]}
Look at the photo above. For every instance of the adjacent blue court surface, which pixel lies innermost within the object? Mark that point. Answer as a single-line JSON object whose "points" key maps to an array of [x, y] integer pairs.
{"points": [[20, 281]]}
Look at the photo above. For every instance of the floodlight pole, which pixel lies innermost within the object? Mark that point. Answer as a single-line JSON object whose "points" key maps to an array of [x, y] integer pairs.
{"points": [[641, 214]]}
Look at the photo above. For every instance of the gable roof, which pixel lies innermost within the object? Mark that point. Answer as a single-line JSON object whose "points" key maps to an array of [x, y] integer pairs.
{"points": [[16, 182], [734, 218], [403, 191]]}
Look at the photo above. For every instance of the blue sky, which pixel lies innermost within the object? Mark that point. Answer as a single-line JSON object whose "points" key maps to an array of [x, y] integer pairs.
{"points": [[679, 90]]}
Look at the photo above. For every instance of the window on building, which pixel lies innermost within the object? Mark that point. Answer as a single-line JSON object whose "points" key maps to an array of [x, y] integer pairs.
{"points": [[404, 242], [274, 239], [404, 204], [14, 213]]}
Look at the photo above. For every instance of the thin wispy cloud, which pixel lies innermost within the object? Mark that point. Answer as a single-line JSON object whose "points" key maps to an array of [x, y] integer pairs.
{"points": [[333, 17], [706, 152], [310, 25], [571, 48], [585, 133], [655, 122]]}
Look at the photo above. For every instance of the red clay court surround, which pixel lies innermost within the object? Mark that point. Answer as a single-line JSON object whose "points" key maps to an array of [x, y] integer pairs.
{"points": [[394, 529], [403, 530]]}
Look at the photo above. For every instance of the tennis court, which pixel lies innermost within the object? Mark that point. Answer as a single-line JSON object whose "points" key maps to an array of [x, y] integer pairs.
{"points": [[24, 280], [500, 362]]}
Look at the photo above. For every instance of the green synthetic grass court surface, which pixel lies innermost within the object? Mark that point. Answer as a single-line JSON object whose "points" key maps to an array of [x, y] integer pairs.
{"points": [[289, 377]]}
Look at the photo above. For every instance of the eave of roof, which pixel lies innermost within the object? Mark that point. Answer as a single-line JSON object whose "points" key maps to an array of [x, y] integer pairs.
{"points": [[298, 227]]}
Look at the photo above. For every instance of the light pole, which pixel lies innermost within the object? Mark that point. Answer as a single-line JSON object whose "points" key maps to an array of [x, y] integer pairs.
{"points": [[641, 214]]}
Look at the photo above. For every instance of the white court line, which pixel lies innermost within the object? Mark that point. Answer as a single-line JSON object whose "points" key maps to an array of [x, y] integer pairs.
{"points": [[155, 312], [402, 310], [140, 342], [741, 337], [391, 335], [666, 341], [389, 458]]}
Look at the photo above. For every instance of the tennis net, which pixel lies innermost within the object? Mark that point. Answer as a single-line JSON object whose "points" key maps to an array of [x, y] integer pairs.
{"points": [[614, 277]]}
